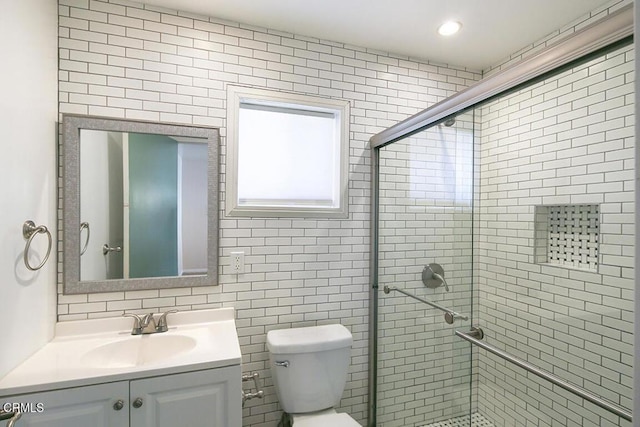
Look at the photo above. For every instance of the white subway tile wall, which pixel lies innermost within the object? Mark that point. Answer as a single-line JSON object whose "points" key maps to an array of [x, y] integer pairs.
{"points": [[568, 140], [122, 59]]}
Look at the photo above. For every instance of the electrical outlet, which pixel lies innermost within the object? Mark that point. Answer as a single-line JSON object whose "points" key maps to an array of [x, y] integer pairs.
{"points": [[237, 262]]}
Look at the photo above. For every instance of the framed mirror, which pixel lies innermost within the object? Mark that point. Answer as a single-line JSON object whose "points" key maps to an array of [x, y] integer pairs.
{"points": [[140, 205]]}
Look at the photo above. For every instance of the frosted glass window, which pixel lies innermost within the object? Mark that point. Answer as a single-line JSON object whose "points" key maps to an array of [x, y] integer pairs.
{"points": [[288, 154]]}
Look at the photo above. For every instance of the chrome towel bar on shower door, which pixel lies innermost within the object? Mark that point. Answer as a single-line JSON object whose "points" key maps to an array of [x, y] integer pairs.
{"points": [[449, 315], [578, 391]]}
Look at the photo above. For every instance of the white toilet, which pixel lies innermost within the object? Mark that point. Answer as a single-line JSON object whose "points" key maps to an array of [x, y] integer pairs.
{"points": [[309, 368]]}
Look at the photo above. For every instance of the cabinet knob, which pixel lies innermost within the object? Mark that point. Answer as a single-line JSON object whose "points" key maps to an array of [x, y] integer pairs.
{"points": [[118, 405], [138, 402]]}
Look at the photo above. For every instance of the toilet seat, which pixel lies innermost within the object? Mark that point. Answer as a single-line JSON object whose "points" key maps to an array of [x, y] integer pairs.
{"points": [[324, 419]]}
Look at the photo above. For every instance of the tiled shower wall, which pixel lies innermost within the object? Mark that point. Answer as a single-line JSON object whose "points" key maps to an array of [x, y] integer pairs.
{"points": [[122, 59], [426, 194], [564, 142]]}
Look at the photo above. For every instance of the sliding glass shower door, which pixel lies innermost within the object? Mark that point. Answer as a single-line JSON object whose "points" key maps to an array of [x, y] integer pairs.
{"points": [[425, 229], [517, 217]]}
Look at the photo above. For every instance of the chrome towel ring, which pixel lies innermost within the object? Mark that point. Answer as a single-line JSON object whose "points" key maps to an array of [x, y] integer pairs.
{"points": [[85, 225], [29, 231], [13, 417]]}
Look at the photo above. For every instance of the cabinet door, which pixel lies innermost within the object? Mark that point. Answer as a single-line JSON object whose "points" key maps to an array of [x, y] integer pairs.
{"points": [[75, 407], [210, 398]]}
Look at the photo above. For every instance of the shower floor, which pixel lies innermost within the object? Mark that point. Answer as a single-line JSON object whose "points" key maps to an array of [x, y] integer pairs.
{"points": [[477, 420]]}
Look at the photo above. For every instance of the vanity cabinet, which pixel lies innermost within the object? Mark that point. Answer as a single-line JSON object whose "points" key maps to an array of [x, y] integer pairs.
{"points": [[74, 407], [208, 398]]}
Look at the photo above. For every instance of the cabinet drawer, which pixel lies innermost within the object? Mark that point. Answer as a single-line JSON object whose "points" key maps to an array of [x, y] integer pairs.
{"points": [[75, 407]]}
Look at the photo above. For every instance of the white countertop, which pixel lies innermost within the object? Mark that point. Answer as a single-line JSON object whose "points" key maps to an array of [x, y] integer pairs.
{"points": [[66, 360]]}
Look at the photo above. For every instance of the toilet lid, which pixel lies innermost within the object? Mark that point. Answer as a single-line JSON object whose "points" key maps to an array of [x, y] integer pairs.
{"points": [[324, 420]]}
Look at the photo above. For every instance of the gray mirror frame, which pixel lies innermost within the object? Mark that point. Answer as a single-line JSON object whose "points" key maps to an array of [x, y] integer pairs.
{"points": [[72, 124]]}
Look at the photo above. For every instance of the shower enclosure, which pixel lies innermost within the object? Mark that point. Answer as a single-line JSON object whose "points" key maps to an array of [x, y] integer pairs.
{"points": [[510, 208]]}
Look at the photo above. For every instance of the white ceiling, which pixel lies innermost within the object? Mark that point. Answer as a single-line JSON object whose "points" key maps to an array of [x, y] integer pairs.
{"points": [[492, 29]]}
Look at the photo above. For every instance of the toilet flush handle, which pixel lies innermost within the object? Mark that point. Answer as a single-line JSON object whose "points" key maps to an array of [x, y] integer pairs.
{"points": [[284, 363]]}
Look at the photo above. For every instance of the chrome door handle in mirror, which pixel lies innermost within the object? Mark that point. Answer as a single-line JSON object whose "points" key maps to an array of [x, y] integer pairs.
{"points": [[107, 249], [85, 226]]}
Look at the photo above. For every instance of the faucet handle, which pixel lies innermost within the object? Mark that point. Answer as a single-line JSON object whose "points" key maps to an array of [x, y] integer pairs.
{"points": [[162, 326], [137, 329]]}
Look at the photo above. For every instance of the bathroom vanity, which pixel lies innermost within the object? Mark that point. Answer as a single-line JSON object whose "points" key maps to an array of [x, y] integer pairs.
{"points": [[95, 373]]}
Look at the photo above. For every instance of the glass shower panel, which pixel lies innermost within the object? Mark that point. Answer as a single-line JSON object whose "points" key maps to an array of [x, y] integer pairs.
{"points": [[556, 239], [426, 200]]}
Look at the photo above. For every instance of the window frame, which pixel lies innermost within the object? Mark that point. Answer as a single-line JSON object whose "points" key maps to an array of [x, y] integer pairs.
{"points": [[237, 95]]}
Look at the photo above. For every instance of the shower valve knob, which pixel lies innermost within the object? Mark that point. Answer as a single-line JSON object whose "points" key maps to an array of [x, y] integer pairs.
{"points": [[433, 276]]}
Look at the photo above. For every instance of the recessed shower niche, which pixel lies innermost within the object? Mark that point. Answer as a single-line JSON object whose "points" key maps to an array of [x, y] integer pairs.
{"points": [[568, 235]]}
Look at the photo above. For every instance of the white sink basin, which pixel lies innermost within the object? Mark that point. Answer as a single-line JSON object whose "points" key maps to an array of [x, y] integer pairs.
{"points": [[85, 352], [138, 350]]}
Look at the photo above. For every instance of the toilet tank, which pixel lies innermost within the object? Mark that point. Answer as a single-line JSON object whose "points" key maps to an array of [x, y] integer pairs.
{"points": [[309, 366]]}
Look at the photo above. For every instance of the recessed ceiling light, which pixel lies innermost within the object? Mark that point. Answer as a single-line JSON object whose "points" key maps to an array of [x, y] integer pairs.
{"points": [[449, 28]]}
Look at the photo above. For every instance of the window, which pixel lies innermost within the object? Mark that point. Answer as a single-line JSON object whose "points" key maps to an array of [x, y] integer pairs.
{"points": [[287, 154]]}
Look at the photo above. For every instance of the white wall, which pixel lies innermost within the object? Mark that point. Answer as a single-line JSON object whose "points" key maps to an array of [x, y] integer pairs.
{"points": [[28, 170]]}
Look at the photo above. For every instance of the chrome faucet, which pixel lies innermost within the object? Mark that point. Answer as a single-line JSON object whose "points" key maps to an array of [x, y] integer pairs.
{"points": [[147, 324]]}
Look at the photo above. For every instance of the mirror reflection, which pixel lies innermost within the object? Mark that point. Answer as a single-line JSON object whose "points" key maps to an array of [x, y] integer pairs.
{"points": [[143, 205], [140, 205]]}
